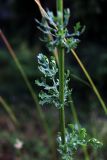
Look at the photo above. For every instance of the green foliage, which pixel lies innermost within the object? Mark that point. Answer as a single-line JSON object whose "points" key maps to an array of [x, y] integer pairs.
{"points": [[49, 70], [59, 32], [75, 138], [56, 35]]}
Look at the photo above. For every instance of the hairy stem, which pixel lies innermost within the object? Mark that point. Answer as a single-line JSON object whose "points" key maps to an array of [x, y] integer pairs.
{"points": [[61, 76], [60, 8], [61, 91]]}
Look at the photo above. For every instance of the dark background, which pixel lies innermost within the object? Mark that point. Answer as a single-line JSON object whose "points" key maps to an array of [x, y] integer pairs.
{"points": [[17, 21]]}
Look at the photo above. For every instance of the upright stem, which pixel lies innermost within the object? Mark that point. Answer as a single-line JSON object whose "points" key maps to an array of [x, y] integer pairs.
{"points": [[60, 7], [61, 76], [61, 94]]}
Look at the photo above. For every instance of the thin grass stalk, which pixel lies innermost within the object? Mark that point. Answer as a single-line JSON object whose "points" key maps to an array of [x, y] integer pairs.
{"points": [[73, 110], [9, 111], [79, 79], [12, 53], [90, 81]]}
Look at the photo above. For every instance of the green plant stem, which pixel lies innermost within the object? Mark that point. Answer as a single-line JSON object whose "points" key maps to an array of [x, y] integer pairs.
{"points": [[60, 8], [61, 76], [61, 94]]}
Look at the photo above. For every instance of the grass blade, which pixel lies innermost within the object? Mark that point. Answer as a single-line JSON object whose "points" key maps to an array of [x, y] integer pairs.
{"points": [[18, 64], [79, 79], [90, 81], [9, 111]]}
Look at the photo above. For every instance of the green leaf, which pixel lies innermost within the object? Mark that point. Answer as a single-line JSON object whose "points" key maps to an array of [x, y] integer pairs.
{"points": [[75, 138], [77, 27], [59, 32], [49, 69]]}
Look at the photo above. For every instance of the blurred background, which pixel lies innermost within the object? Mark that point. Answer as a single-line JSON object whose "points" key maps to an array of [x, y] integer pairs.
{"points": [[18, 104]]}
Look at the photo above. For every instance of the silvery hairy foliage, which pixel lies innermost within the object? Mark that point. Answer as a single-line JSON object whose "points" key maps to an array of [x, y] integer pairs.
{"points": [[50, 91], [75, 138], [59, 32], [57, 36]]}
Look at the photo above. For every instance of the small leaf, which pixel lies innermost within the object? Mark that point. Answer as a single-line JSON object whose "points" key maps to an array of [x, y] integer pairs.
{"points": [[77, 27], [74, 139], [95, 143]]}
